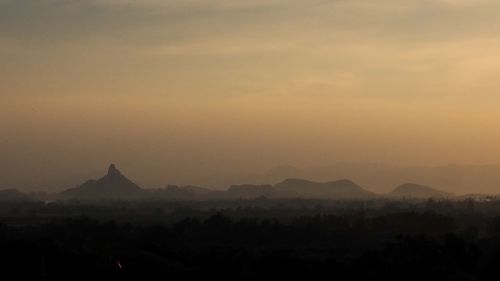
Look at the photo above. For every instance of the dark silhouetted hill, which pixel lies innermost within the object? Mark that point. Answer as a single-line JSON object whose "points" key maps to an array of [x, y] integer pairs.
{"points": [[114, 185], [417, 191], [341, 189]]}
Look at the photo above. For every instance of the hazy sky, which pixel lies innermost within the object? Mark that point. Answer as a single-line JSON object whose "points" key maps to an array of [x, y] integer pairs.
{"points": [[175, 89]]}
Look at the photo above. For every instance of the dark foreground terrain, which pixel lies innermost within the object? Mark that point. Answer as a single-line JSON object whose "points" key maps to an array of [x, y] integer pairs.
{"points": [[251, 240]]}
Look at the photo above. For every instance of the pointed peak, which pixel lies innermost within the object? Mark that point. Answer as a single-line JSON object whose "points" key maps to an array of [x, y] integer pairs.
{"points": [[112, 170]]}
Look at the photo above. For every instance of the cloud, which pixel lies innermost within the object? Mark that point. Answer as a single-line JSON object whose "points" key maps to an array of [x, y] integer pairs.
{"points": [[369, 47], [154, 22]]}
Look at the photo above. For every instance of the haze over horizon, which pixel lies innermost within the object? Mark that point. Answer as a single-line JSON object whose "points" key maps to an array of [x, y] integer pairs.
{"points": [[176, 90]]}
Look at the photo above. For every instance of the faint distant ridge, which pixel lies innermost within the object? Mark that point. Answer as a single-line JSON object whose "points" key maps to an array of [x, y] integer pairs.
{"points": [[174, 192], [248, 191], [417, 191], [114, 185]]}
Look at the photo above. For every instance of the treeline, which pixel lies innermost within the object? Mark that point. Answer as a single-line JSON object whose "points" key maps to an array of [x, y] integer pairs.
{"points": [[399, 245]]}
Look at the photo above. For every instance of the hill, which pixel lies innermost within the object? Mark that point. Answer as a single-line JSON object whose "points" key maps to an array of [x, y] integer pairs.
{"points": [[341, 189], [114, 185], [417, 191]]}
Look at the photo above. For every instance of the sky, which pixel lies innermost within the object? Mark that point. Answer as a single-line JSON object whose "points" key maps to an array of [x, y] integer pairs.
{"points": [[175, 90]]}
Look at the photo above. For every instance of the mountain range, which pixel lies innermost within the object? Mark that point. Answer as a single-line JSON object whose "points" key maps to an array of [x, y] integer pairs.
{"points": [[382, 178], [115, 186]]}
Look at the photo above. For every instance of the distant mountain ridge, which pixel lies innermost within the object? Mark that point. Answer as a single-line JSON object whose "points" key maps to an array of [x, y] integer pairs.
{"points": [[380, 177], [115, 186]]}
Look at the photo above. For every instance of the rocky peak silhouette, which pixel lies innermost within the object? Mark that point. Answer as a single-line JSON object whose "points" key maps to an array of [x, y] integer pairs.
{"points": [[113, 171], [113, 185]]}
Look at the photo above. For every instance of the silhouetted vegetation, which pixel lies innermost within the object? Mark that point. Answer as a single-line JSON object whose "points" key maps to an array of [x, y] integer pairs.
{"points": [[251, 240]]}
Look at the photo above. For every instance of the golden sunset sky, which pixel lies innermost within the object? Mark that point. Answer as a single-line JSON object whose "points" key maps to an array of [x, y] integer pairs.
{"points": [[175, 89]]}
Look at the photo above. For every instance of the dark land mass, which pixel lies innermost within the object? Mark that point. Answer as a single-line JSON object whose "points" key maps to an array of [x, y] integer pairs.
{"points": [[257, 239], [112, 229], [115, 186]]}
